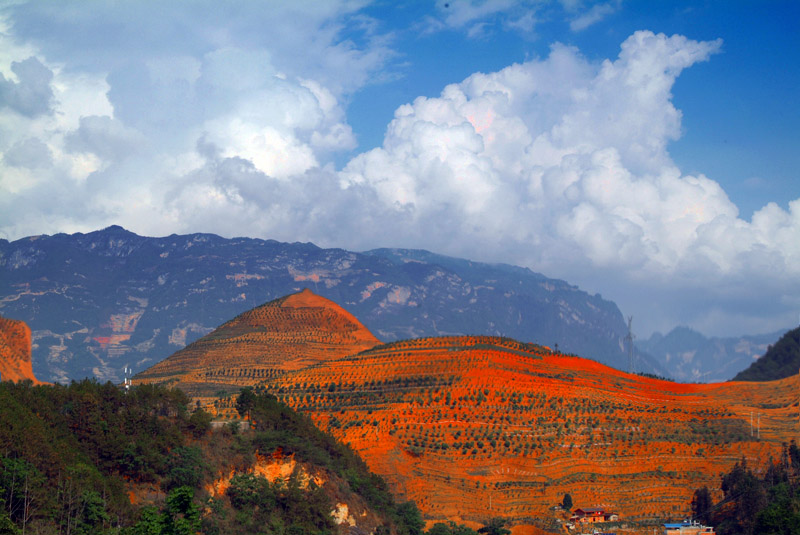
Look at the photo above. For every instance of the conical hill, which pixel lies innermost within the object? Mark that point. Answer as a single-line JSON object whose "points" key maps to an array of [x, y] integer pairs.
{"points": [[289, 333]]}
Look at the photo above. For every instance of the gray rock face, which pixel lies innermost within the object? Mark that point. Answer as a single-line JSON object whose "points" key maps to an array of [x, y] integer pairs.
{"points": [[101, 301]]}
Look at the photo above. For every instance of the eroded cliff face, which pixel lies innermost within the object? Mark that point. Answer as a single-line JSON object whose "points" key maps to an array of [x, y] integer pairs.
{"points": [[350, 512], [15, 351]]}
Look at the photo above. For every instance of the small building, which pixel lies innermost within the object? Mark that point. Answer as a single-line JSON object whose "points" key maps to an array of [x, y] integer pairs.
{"points": [[591, 515], [688, 528]]}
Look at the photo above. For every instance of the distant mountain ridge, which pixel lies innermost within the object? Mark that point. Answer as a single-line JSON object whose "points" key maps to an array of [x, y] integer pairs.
{"points": [[689, 356], [97, 302]]}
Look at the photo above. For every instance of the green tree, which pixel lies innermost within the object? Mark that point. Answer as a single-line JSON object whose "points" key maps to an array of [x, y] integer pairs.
{"points": [[566, 503], [94, 517], [410, 517], [495, 526], [245, 401], [186, 467], [701, 504], [151, 522], [182, 514], [782, 514], [7, 527], [200, 423]]}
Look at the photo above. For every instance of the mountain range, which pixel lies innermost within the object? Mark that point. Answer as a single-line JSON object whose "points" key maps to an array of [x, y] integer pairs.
{"points": [[688, 356], [103, 301]]}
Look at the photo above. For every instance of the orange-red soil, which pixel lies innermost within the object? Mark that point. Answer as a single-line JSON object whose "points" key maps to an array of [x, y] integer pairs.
{"points": [[474, 427], [15, 351]]}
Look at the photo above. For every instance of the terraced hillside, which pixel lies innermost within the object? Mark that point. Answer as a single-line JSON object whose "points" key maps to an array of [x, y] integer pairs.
{"points": [[471, 427], [476, 427], [289, 333]]}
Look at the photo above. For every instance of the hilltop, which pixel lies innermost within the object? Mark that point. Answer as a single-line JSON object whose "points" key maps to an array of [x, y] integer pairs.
{"points": [[288, 333], [456, 423]]}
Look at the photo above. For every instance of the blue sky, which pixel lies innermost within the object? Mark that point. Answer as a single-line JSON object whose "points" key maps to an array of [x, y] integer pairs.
{"points": [[739, 126], [643, 150]]}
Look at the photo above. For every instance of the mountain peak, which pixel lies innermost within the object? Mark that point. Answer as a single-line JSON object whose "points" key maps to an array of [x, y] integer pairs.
{"points": [[307, 298]]}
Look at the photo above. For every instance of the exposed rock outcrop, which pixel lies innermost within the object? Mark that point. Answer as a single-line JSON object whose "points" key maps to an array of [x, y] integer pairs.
{"points": [[15, 351]]}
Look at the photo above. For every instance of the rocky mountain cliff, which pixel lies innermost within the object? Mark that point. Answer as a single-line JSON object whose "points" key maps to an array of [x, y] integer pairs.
{"points": [[97, 302], [689, 356], [15, 351]]}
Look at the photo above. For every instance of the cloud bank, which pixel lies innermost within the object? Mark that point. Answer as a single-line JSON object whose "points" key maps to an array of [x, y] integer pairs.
{"points": [[559, 163]]}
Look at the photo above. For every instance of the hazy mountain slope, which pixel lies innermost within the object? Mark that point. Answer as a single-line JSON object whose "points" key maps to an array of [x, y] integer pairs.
{"points": [[689, 356], [781, 360], [99, 301]]}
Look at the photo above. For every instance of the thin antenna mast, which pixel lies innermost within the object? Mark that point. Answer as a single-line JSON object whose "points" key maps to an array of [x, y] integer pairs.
{"points": [[127, 383], [629, 340]]}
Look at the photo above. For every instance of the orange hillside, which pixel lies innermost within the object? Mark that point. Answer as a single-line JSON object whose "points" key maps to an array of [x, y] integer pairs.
{"points": [[475, 427]]}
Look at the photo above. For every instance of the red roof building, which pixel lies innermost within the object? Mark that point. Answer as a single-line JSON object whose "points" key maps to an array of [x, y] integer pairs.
{"points": [[590, 515]]}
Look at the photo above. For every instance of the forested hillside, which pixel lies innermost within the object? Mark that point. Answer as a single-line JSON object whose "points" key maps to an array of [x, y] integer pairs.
{"points": [[764, 501], [90, 458], [781, 360]]}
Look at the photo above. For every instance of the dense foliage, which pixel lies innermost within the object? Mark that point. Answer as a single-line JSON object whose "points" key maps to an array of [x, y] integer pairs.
{"points": [[73, 458], [66, 452], [781, 360], [766, 504]]}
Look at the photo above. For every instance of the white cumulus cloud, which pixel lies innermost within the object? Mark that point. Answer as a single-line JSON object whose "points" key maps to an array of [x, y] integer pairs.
{"points": [[558, 163], [563, 165]]}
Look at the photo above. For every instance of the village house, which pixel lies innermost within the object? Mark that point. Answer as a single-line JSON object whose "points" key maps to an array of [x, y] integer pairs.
{"points": [[591, 515]]}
